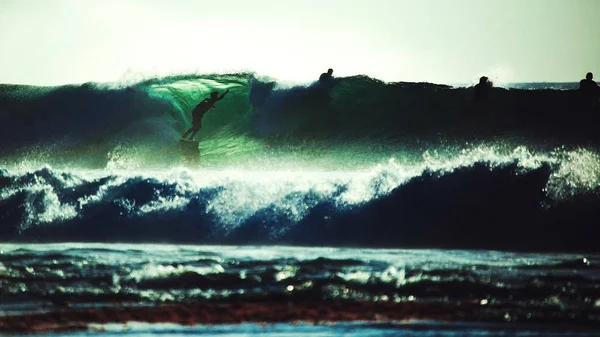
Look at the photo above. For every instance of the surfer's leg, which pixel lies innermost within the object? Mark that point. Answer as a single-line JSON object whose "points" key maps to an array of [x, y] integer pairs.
{"points": [[187, 132], [194, 134], [194, 130]]}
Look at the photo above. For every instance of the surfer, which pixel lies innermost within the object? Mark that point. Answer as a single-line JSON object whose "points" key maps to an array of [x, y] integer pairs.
{"points": [[588, 86], [482, 90], [326, 78], [321, 90], [199, 112], [590, 91]]}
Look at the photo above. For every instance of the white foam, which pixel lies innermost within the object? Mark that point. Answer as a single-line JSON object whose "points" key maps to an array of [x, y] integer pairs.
{"points": [[235, 195]]}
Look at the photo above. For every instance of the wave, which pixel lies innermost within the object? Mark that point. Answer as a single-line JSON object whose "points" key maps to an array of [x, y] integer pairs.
{"points": [[480, 198], [139, 124], [363, 163]]}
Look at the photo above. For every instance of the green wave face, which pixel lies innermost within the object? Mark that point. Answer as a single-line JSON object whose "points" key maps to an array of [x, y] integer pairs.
{"points": [[226, 129], [185, 92]]}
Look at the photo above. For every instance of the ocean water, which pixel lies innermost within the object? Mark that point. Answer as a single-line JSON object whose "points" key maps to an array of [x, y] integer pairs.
{"points": [[369, 208], [369, 291], [411, 329]]}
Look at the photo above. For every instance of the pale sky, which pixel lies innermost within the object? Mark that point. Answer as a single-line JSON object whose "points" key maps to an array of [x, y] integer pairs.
{"points": [[51, 42]]}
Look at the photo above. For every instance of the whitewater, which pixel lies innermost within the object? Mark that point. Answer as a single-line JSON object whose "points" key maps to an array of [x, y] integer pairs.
{"points": [[298, 204]]}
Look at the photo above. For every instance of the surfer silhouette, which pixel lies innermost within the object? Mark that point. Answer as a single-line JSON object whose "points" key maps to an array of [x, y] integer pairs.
{"points": [[326, 78], [588, 86], [322, 88], [482, 90], [590, 91], [199, 112]]}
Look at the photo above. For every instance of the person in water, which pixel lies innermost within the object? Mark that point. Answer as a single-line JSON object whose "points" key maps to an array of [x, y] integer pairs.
{"points": [[199, 112], [589, 87], [326, 78], [324, 85], [482, 90]]}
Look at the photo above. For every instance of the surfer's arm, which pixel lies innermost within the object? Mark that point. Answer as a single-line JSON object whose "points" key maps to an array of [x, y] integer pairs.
{"points": [[221, 97]]}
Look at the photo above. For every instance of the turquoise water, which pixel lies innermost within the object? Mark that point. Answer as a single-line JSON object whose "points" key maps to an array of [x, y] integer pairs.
{"points": [[406, 329]]}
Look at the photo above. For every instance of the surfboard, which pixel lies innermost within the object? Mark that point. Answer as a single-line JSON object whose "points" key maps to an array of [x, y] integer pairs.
{"points": [[187, 142]]}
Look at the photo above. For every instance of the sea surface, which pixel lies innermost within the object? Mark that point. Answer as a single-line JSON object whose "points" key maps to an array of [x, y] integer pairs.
{"points": [[364, 208], [326, 291]]}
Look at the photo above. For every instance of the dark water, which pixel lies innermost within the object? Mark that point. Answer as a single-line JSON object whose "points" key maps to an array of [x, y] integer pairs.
{"points": [[540, 293]]}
